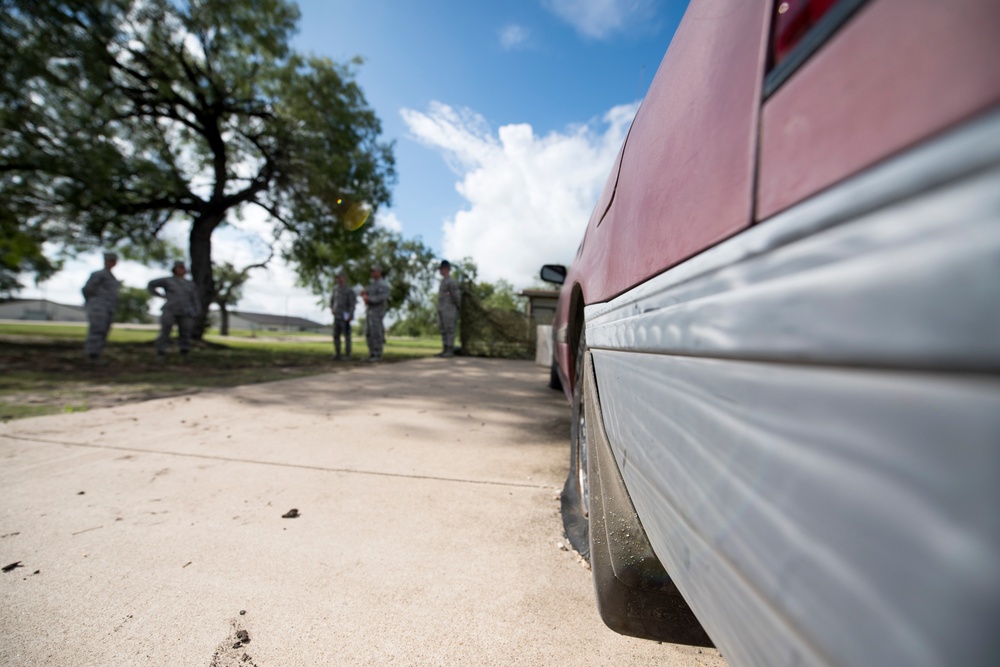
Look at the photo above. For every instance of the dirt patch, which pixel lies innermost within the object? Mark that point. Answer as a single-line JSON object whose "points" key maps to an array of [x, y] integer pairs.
{"points": [[233, 651]]}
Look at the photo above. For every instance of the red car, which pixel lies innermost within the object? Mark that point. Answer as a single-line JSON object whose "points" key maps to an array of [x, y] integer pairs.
{"points": [[781, 340]]}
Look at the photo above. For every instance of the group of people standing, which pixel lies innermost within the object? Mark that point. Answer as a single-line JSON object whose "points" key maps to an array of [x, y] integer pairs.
{"points": [[376, 299], [182, 305], [180, 308], [343, 302]]}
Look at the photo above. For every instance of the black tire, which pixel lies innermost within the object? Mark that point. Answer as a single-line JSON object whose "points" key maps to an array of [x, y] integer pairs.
{"points": [[576, 491], [554, 381]]}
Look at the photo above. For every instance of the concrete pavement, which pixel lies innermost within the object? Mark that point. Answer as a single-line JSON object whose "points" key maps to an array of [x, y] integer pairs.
{"points": [[427, 533]]}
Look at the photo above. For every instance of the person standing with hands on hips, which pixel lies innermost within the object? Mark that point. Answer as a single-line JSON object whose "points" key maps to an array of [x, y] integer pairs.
{"points": [[376, 298], [181, 307], [342, 303], [101, 300], [449, 299]]}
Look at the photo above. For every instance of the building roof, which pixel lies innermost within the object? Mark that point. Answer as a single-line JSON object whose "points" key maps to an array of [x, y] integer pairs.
{"points": [[264, 319], [537, 293]]}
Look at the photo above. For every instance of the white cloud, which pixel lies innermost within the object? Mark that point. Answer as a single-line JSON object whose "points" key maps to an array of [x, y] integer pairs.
{"points": [[530, 197], [389, 220], [464, 137], [513, 36], [599, 19]]}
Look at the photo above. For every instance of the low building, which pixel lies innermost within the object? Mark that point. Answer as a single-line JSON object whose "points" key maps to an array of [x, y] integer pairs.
{"points": [[541, 304], [40, 310], [241, 319]]}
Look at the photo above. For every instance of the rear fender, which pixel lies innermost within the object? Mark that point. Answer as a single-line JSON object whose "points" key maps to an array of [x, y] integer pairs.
{"points": [[635, 595]]}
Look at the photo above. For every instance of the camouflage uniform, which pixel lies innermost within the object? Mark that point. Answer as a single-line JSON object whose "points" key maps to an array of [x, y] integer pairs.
{"points": [[378, 298], [342, 303], [101, 298], [449, 299], [181, 308]]}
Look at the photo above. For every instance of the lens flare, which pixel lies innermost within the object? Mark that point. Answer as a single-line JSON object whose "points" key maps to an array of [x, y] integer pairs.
{"points": [[353, 215], [356, 216]]}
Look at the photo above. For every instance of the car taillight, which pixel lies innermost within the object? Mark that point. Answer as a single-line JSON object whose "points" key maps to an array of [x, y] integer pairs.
{"points": [[792, 20]]}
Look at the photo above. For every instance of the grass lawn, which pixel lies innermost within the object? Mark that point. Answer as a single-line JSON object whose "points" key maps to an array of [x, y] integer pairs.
{"points": [[43, 369]]}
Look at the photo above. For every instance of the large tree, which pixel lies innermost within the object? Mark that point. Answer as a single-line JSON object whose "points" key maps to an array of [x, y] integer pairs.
{"points": [[119, 116]]}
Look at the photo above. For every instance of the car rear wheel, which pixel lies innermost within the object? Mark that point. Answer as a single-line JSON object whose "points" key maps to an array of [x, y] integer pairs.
{"points": [[554, 381]]}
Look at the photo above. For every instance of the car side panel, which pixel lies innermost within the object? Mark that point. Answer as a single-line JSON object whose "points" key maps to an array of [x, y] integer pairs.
{"points": [[817, 515], [807, 418], [561, 347], [898, 72], [687, 169], [683, 180]]}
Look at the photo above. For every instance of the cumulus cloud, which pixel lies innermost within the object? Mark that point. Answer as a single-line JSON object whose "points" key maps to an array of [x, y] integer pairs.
{"points": [[389, 220], [599, 19], [529, 197], [513, 36], [464, 137]]}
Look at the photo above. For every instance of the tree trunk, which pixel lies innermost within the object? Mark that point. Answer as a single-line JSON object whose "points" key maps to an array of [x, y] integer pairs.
{"points": [[223, 320], [200, 241]]}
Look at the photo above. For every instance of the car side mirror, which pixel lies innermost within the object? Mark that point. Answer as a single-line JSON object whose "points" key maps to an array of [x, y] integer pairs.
{"points": [[554, 273]]}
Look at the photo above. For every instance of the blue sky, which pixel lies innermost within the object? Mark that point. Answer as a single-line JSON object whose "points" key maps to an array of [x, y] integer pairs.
{"points": [[510, 62], [506, 117]]}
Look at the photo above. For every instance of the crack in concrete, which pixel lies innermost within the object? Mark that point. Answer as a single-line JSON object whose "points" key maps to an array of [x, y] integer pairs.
{"points": [[300, 466]]}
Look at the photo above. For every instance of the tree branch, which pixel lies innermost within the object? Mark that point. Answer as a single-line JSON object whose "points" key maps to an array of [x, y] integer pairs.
{"points": [[274, 214]]}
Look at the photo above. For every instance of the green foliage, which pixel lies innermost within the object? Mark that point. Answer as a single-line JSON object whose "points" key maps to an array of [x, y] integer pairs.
{"points": [[408, 266], [420, 320], [498, 296], [20, 252], [117, 116], [492, 320], [152, 251], [133, 305], [229, 283]]}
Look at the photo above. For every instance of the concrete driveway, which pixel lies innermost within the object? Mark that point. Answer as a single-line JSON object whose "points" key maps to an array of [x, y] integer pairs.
{"points": [[427, 533]]}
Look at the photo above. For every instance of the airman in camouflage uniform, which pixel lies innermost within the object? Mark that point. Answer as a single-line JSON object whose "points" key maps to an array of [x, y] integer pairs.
{"points": [[376, 298], [101, 299], [342, 304], [181, 308], [449, 299]]}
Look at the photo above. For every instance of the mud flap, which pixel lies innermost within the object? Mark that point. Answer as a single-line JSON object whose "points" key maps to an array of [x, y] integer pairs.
{"points": [[635, 595]]}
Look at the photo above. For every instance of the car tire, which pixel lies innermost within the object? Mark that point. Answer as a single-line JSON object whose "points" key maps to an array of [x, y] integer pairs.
{"points": [[575, 498], [554, 381]]}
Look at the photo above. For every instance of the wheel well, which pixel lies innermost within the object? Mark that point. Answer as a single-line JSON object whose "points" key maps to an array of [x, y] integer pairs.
{"points": [[577, 322]]}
